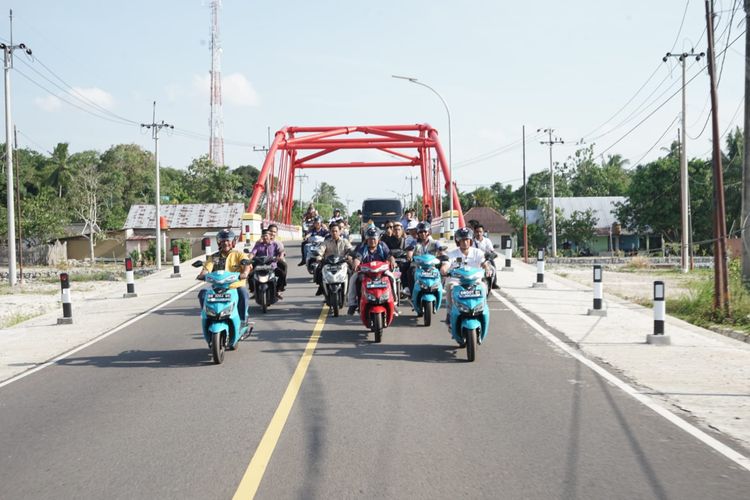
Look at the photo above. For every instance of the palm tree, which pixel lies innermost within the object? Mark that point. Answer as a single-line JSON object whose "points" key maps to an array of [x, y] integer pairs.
{"points": [[61, 168]]}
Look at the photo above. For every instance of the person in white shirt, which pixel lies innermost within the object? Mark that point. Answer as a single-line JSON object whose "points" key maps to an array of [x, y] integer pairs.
{"points": [[480, 241], [469, 255]]}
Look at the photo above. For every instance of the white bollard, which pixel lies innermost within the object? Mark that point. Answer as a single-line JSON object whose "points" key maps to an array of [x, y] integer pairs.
{"points": [[660, 313], [206, 244], [67, 318], [175, 262], [598, 302], [540, 270], [508, 255], [130, 279]]}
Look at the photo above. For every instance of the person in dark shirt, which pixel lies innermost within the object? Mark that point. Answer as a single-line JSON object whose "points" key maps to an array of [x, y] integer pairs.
{"points": [[317, 229]]}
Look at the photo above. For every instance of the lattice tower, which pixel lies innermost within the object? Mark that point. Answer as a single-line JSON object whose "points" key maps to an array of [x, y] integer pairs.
{"points": [[216, 120]]}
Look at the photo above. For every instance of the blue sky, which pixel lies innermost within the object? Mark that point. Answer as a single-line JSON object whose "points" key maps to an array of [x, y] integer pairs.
{"points": [[498, 64]]}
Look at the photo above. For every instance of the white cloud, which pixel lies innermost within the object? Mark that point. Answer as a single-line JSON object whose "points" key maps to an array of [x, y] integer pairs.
{"points": [[96, 95], [49, 103], [236, 89]]}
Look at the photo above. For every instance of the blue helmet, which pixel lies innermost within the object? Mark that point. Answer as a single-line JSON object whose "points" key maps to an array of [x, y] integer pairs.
{"points": [[464, 233], [423, 226], [225, 235]]}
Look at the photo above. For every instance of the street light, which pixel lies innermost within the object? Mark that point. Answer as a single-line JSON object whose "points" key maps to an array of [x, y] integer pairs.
{"points": [[450, 148]]}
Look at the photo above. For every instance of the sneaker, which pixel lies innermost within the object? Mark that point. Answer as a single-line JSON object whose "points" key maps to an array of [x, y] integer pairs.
{"points": [[279, 296], [300, 264], [405, 292], [351, 310], [319, 292]]}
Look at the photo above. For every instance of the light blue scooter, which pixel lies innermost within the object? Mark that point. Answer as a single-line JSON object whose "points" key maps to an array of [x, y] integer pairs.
{"points": [[469, 315], [428, 289], [220, 318]]}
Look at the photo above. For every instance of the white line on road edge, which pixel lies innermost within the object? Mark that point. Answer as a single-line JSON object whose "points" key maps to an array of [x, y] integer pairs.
{"points": [[97, 339], [714, 443]]}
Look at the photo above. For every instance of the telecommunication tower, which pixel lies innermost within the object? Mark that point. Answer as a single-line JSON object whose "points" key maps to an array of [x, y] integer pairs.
{"points": [[216, 120]]}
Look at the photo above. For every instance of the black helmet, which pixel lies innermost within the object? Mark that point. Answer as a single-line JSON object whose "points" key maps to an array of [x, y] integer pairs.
{"points": [[317, 218], [338, 210], [423, 226], [225, 234], [372, 232], [464, 233]]}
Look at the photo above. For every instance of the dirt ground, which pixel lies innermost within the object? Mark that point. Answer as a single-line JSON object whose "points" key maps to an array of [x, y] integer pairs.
{"points": [[629, 284]]}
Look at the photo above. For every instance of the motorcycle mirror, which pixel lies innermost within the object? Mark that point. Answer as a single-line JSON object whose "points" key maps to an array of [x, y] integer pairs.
{"points": [[246, 250], [495, 245], [197, 263], [245, 262], [443, 258]]}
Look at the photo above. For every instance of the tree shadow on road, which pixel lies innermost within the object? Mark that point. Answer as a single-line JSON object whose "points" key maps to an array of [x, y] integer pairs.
{"points": [[181, 358]]}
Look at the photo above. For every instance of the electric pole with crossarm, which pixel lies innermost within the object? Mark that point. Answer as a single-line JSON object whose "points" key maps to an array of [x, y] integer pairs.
{"points": [[551, 142]]}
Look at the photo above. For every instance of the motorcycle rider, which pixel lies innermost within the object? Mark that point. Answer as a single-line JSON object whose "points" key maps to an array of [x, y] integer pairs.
{"points": [[372, 249], [469, 255], [397, 238], [273, 230], [421, 245], [228, 259], [317, 229], [408, 217], [337, 246], [411, 233], [336, 219], [266, 247], [485, 245]]}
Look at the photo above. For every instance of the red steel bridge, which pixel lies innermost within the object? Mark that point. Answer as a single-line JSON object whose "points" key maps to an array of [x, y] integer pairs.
{"points": [[296, 148]]}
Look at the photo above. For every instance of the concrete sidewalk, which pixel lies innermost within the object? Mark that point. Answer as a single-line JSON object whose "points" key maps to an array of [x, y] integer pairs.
{"points": [[34, 342], [702, 374]]}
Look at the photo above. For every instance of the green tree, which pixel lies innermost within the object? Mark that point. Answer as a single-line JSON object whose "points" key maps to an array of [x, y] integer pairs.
{"points": [[130, 176], [86, 200], [247, 176], [211, 183], [43, 218], [733, 162], [578, 228], [60, 168]]}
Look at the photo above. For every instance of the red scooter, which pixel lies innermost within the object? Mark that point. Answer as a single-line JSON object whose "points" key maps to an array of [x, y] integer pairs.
{"points": [[376, 301]]}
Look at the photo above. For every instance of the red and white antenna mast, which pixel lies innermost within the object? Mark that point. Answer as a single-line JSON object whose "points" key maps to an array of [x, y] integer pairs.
{"points": [[216, 120]]}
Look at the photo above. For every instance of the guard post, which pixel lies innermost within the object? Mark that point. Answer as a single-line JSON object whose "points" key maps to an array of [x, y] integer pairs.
{"points": [[540, 269], [508, 248], [598, 302], [130, 291], [175, 262], [658, 337], [206, 247], [67, 318]]}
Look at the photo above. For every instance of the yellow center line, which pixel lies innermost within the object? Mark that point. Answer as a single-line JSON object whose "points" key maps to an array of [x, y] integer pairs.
{"points": [[254, 474]]}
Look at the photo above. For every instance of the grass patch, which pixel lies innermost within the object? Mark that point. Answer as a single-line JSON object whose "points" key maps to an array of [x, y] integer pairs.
{"points": [[17, 318], [696, 306]]}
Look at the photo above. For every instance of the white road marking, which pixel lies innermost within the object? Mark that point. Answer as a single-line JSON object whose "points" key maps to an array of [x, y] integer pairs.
{"points": [[650, 403]]}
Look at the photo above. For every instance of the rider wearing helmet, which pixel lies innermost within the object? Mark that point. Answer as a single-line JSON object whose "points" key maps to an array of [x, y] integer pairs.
{"points": [[370, 250], [317, 229], [468, 254], [337, 217], [421, 244], [228, 259]]}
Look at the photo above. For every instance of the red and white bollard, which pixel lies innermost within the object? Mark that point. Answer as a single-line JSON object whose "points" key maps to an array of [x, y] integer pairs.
{"points": [[130, 278], [539, 270], [67, 318], [660, 314], [206, 245], [598, 302], [175, 262]]}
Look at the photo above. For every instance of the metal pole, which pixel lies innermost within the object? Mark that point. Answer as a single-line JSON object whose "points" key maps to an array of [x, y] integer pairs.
{"points": [[20, 213], [525, 220], [721, 289], [9, 171], [552, 198], [158, 193], [746, 162]]}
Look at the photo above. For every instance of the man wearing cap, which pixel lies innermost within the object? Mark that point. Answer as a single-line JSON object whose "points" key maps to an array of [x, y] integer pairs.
{"points": [[232, 260]]}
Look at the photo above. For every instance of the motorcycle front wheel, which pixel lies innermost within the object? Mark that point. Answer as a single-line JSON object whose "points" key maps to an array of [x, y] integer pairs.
{"points": [[377, 327], [217, 348], [427, 311], [471, 343]]}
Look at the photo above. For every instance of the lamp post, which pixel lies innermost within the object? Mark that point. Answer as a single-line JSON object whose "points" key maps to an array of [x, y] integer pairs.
{"points": [[450, 148]]}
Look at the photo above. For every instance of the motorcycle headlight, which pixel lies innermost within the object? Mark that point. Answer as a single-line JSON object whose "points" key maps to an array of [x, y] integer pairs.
{"points": [[263, 278], [223, 314], [478, 309], [385, 297], [371, 297], [463, 308]]}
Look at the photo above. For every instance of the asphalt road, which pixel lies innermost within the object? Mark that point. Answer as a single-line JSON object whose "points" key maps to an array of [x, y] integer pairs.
{"points": [[145, 414]]}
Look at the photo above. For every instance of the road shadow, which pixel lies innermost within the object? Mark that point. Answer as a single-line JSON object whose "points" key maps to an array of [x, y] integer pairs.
{"points": [[180, 358]]}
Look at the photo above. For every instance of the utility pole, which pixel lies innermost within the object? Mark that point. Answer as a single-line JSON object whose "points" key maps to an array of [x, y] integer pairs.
{"points": [[411, 179], [8, 64], [300, 177], [525, 222], [18, 203], [155, 128], [551, 142], [721, 287], [745, 232], [684, 186]]}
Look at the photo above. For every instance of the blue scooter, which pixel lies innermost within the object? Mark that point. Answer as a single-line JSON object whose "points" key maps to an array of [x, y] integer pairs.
{"points": [[469, 314], [428, 289], [220, 318]]}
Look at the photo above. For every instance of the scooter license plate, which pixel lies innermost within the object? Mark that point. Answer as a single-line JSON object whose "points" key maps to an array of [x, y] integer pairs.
{"points": [[219, 297], [429, 274], [470, 294], [376, 284]]}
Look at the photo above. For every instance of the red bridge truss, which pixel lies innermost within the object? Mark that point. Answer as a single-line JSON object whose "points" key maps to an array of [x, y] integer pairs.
{"points": [[296, 148]]}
